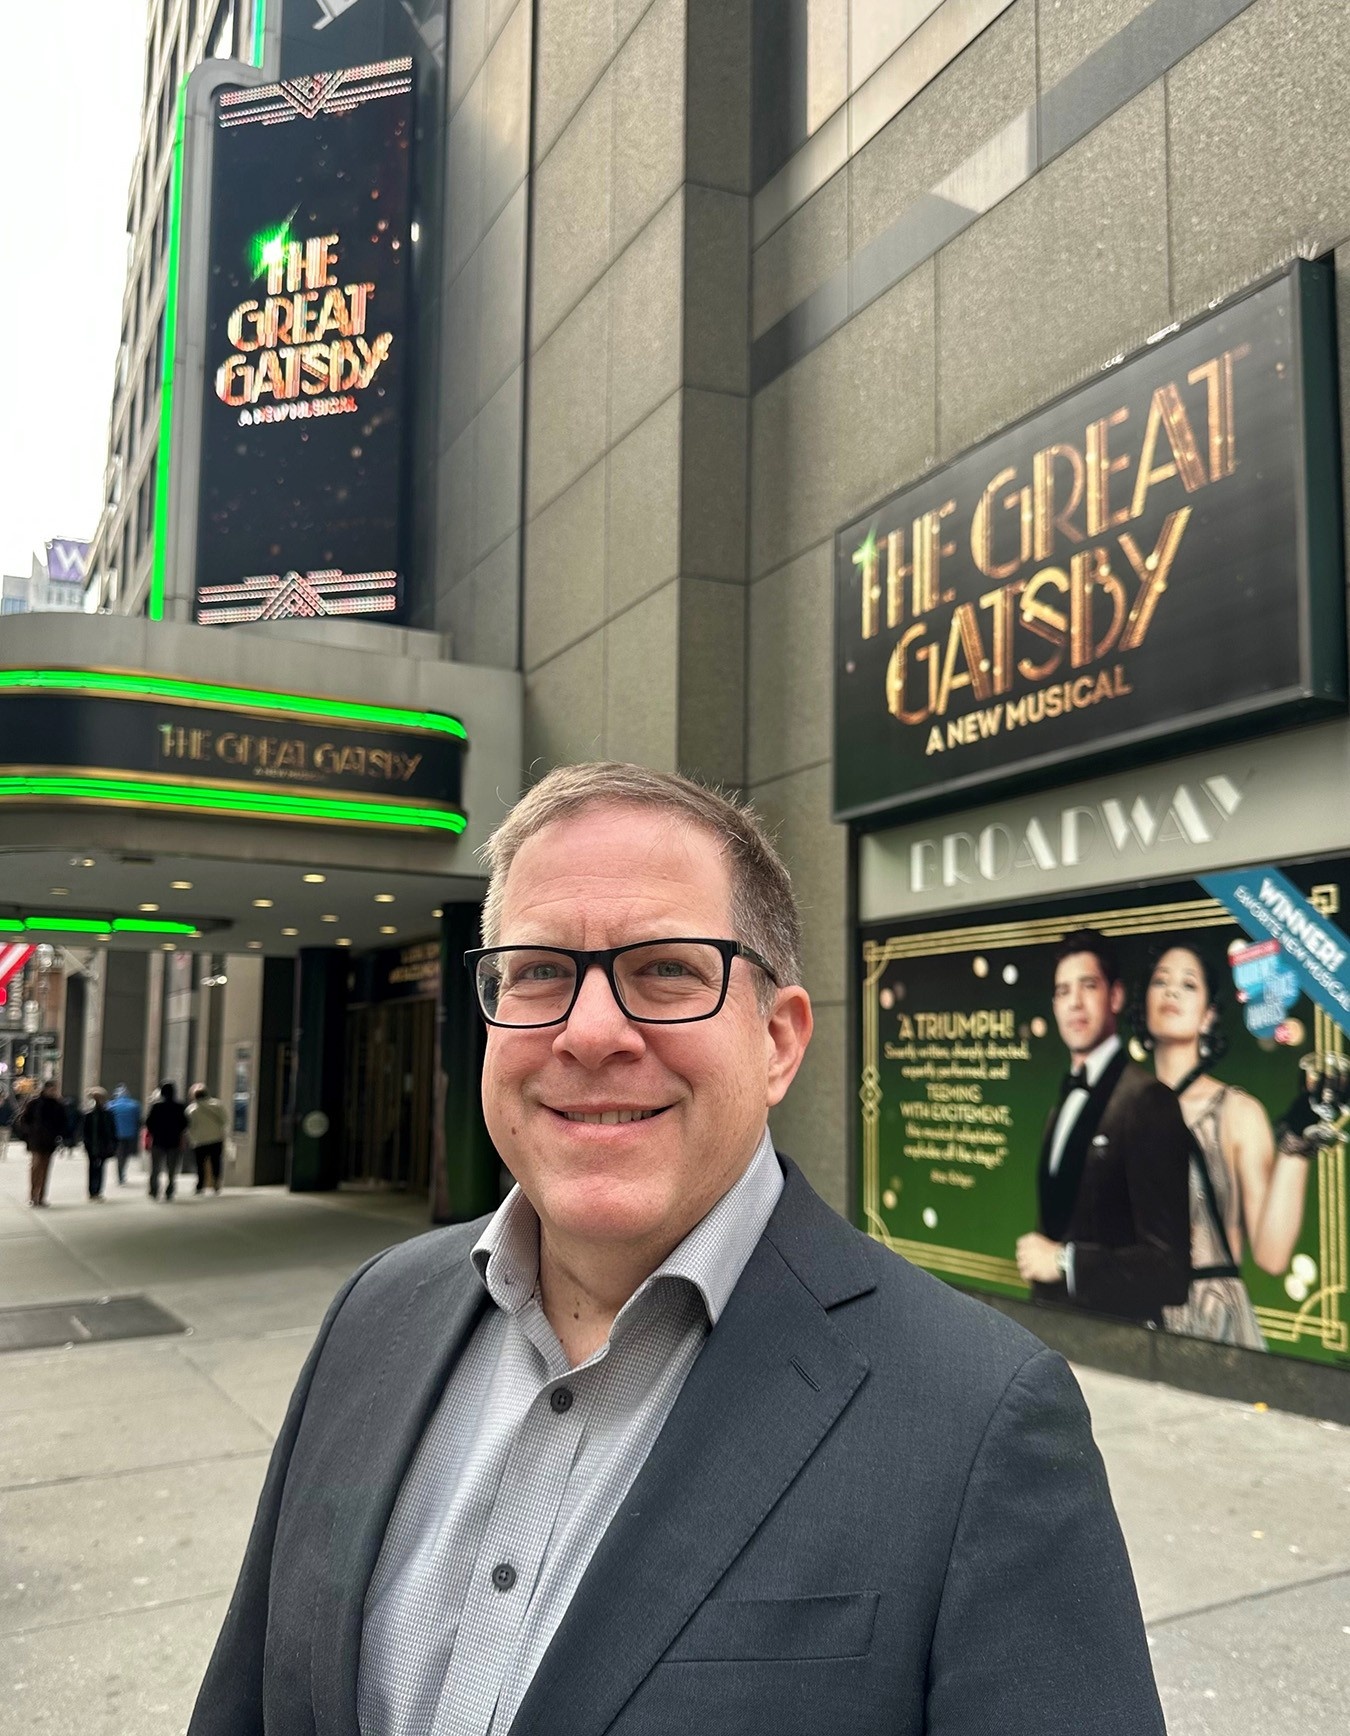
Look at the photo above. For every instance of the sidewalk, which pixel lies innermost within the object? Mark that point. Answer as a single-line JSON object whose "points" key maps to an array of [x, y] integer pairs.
{"points": [[128, 1473]]}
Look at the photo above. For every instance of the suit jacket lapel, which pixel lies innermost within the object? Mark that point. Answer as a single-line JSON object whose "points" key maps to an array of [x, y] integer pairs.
{"points": [[425, 1340], [765, 1390]]}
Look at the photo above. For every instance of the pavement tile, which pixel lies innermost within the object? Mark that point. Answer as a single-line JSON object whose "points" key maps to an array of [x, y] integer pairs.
{"points": [[109, 1544], [130, 1373], [1230, 1503], [1118, 1403], [224, 1308], [265, 1401], [128, 1675], [36, 1270], [1243, 1670], [89, 1440], [276, 1355]]}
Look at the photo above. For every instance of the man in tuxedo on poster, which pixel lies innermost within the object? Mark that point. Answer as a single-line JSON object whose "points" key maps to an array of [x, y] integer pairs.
{"points": [[1114, 1225]]}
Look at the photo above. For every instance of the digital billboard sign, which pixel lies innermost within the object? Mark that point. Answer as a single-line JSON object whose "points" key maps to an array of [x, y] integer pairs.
{"points": [[1156, 554], [306, 348]]}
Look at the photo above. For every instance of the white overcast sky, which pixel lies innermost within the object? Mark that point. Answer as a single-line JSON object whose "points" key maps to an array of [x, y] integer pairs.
{"points": [[69, 124]]}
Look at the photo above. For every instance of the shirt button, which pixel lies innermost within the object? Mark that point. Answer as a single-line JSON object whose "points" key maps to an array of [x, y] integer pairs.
{"points": [[561, 1399], [503, 1576]]}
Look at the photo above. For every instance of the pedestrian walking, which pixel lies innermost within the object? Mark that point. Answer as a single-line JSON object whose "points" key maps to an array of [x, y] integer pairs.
{"points": [[166, 1123], [207, 1124], [100, 1139], [126, 1113], [41, 1126]]}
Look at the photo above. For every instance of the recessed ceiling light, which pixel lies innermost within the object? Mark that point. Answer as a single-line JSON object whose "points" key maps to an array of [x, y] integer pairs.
{"points": [[328, 919], [262, 903], [165, 946], [314, 879], [255, 944], [181, 885], [290, 931], [86, 861], [147, 907], [436, 911], [59, 891], [384, 898], [388, 930], [343, 941]]}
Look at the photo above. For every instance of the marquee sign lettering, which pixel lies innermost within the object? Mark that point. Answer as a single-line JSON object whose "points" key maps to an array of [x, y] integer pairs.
{"points": [[1157, 554]]}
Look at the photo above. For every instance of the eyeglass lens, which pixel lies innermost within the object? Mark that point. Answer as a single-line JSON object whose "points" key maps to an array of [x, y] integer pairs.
{"points": [[666, 980]]}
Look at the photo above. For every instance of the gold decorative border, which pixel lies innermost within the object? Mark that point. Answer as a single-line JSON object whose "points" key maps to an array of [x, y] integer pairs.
{"points": [[1317, 1318]]}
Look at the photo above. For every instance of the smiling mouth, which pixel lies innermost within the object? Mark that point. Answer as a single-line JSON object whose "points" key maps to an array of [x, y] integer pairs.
{"points": [[610, 1117]]}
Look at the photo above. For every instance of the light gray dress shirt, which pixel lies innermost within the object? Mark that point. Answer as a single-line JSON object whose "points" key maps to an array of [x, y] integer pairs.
{"points": [[524, 1464]]}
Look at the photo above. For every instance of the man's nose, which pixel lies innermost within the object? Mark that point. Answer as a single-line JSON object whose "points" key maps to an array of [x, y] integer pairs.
{"points": [[597, 1026]]}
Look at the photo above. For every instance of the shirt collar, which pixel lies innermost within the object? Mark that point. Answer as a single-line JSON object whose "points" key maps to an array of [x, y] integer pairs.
{"points": [[711, 1257], [1100, 1059]]}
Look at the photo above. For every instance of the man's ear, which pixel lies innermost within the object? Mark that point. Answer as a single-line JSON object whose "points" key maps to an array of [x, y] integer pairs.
{"points": [[787, 1033], [1117, 998]]}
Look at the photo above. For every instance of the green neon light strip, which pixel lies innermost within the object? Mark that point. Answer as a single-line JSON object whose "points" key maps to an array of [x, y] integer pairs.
{"points": [[338, 810], [209, 692], [9, 926], [159, 558], [92, 925]]}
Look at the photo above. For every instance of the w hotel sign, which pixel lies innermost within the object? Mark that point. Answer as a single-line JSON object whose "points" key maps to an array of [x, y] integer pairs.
{"points": [[1151, 561]]}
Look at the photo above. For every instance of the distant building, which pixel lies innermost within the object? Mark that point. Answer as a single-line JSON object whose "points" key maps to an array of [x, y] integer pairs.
{"points": [[54, 583]]}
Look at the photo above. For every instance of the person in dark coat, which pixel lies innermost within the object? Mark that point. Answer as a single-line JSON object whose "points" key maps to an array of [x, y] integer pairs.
{"points": [[42, 1127], [166, 1123], [99, 1134]]}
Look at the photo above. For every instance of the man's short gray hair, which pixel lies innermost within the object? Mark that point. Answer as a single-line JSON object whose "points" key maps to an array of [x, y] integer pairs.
{"points": [[763, 908]]}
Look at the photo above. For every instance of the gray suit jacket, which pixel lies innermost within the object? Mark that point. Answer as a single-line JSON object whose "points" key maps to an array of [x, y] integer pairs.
{"points": [[875, 1507]]}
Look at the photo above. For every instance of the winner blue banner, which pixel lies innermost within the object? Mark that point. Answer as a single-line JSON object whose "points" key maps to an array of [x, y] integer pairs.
{"points": [[1270, 907]]}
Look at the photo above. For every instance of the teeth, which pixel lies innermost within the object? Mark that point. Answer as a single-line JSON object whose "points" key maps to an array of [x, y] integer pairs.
{"points": [[611, 1117]]}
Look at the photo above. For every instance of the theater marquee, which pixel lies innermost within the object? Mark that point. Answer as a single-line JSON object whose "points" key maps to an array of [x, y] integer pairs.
{"points": [[1155, 558], [164, 744]]}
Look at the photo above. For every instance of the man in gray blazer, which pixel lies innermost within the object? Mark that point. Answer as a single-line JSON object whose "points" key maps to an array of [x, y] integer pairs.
{"points": [[665, 1446]]}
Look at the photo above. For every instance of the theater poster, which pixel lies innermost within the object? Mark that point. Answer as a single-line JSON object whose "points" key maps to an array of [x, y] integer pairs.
{"points": [[1235, 987]]}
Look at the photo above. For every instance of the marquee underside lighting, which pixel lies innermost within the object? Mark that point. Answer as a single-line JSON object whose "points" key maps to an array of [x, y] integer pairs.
{"points": [[212, 693], [269, 804]]}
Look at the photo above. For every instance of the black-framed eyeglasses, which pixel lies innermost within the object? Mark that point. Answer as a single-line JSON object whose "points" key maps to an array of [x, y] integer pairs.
{"points": [[655, 982]]}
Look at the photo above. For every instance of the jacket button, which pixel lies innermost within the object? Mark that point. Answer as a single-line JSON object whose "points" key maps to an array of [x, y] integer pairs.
{"points": [[503, 1576], [561, 1400]]}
